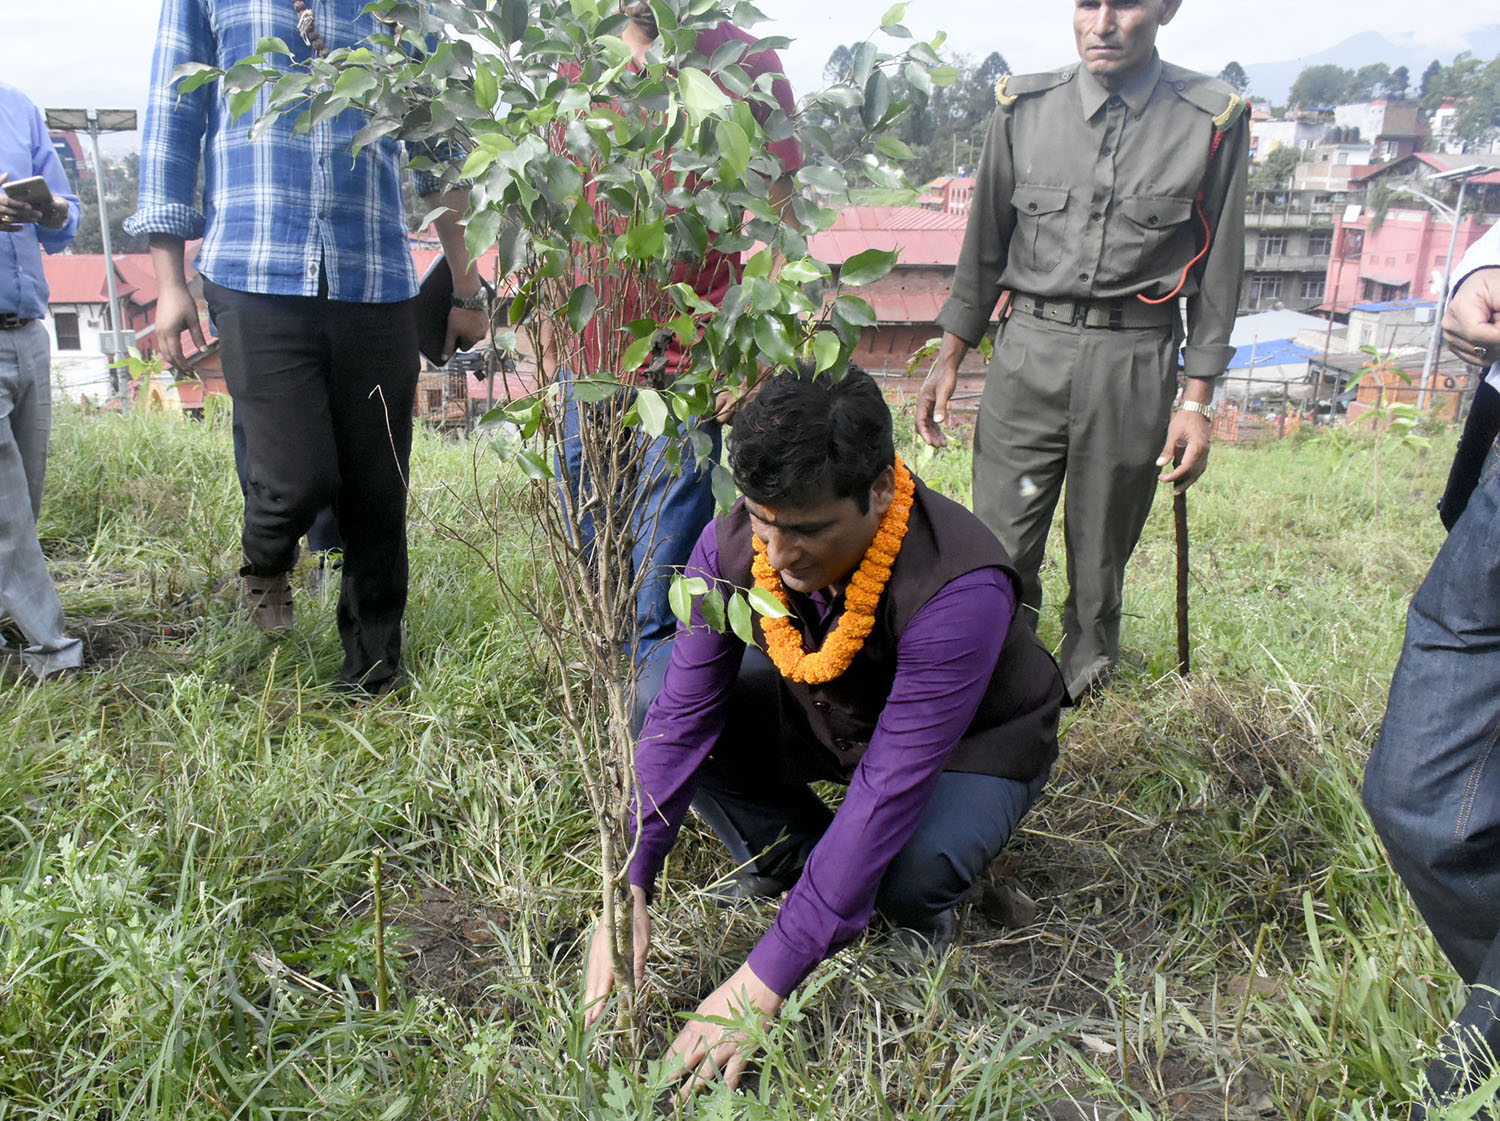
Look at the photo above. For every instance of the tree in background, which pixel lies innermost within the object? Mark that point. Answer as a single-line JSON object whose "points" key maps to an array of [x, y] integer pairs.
{"points": [[1434, 68], [1276, 169], [122, 179], [1398, 83], [945, 129], [1478, 117], [1318, 86], [1368, 82], [1234, 74]]}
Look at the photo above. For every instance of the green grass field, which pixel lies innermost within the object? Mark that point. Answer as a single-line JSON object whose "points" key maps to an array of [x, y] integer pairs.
{"points": [[187, 919]]}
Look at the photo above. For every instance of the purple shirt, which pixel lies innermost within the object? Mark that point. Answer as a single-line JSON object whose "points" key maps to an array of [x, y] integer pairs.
{"points": [[944, 660]]}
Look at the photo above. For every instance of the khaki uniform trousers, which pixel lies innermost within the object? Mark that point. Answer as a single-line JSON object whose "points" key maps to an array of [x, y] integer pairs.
{"points": [[1092, 405]]}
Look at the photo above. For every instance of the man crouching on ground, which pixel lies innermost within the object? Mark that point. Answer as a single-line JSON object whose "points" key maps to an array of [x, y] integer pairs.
{"points": [[897, 673]]}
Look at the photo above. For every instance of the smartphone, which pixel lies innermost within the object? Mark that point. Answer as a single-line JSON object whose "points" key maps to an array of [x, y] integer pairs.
{"points": [[33, 191]]}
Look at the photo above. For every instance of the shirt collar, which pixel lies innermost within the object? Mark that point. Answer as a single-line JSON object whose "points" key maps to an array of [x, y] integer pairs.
{"points": [[1136, 93]]}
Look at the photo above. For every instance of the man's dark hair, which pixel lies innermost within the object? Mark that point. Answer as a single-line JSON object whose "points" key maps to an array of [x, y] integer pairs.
{"points": [[642, 16], [803, 435]]}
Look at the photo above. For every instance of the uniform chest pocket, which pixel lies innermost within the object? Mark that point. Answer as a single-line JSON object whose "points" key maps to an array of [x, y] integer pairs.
{"points": [[1041, 225], [1153, 223]]}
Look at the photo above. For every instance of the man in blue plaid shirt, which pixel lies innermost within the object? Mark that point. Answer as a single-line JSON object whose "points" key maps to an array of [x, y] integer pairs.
{"points": [[309, 281]]}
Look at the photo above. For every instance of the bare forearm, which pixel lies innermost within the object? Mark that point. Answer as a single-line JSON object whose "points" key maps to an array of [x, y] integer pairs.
{"points": [[450, 231]]}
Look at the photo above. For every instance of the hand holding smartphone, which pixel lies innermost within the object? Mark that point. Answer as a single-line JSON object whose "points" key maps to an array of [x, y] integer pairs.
{"points": [[33, 191], [26, 201]]}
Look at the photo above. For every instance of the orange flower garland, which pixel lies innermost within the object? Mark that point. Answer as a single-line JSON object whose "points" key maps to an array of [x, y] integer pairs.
{"points": [[784, 642]]}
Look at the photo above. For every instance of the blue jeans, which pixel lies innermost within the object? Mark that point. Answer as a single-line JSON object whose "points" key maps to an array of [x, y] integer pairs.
{"points": [[1432, 785], [669, 512]]}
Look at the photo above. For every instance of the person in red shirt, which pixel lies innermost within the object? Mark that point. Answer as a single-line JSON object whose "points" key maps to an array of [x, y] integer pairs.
{"points": [[672, 506]]}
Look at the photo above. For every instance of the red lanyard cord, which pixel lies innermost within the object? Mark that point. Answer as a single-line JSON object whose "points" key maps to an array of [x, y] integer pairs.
{"points": [[1208, 233]]}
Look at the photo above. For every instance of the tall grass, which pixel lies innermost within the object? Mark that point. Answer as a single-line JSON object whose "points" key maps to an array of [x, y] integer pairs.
{"points": [[187, 830]]}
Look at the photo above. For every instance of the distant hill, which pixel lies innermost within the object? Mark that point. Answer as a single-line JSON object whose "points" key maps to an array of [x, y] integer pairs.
{"points": [[1274, 80]]}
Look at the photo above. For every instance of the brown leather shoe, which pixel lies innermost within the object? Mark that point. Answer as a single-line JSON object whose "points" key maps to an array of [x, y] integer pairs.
{"points": [[269, 599]]}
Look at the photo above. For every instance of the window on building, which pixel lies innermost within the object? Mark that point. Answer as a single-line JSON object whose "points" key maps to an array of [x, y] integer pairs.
{"points": [[65, 323], [1320, 244], [1312, 289], [1264, 288], [1272, 245]]}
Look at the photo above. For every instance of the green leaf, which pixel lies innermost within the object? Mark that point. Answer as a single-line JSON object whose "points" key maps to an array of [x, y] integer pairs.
{"points": [[354, 84], [894, 15], [722, 484], [740, 620], [535, 466], [701, 95], [767, 604], [775, 346], [866, 267], [646, 242], [486, 87], [944, 75], [894, 148], [636, 354], [877, 99], [862, 64], [480, 232], [801, 272], [190, 75], [853, 310], [918, 78], [272, 45], [760, 264], [829, 180], [241, 103], [590, 391], [711, 607], [581, 306], [513, 18], [653, 410], [734, 148], [680, 599], [826, 347]]}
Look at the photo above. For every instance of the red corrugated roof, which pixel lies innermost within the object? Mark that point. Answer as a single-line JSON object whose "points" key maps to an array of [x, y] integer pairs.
{"points": [[897, 218], [75, 278]]}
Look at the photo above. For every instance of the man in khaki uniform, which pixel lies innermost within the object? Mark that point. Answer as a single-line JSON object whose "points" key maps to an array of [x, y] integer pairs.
{"points": [[1108, 193]]}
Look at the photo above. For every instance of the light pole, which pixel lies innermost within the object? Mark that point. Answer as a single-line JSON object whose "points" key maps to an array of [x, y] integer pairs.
{"points": [[95, 121]]}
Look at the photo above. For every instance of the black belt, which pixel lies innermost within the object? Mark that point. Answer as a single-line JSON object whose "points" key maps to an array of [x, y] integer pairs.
{"points": [[1125, 313], [9, 321]]}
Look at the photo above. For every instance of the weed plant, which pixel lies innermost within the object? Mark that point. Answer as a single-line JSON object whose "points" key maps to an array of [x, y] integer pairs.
{"points": [[187, 833]]}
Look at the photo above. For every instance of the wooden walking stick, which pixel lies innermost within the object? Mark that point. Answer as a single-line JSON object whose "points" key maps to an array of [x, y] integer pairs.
{"points": [[1179, 518]]}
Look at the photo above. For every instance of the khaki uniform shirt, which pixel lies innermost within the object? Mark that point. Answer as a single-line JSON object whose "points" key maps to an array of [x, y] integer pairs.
{"points": [[1082, 194]]}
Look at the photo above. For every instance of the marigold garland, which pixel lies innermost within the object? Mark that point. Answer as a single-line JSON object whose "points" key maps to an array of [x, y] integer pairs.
{"points": [[861, 598]]}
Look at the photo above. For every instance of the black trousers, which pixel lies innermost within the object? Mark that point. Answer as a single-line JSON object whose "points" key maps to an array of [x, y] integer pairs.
{"points": [[324, 392]]}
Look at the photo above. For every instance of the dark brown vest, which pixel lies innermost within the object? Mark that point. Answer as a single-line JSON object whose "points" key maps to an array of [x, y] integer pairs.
{"points": [[1014, 733]]}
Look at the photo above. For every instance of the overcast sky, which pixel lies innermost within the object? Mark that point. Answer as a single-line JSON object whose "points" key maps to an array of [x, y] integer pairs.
{"points": [[68, 53]]}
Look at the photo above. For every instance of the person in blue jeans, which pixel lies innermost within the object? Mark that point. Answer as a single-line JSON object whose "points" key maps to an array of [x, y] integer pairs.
{"points": [[1432, 785]]}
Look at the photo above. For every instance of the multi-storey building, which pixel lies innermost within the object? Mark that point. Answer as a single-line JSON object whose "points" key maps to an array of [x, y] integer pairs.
{"points": [[1288, 239]]}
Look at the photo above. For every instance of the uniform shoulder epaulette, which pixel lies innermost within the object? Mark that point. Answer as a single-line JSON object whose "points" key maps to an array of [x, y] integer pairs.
{"points": [[1217, 99], [1012, 86]]}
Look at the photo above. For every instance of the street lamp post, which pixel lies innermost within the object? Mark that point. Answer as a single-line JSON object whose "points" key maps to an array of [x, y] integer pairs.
{"points": [[95, 121]]}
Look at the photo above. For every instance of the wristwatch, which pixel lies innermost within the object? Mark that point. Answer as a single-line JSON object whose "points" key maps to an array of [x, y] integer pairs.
{"points": [[479, 301], [1205, 411]]}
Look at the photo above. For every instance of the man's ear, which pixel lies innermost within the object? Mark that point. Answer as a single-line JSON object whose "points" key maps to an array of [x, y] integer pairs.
{"points": [[883, 491], [1169, 9]]}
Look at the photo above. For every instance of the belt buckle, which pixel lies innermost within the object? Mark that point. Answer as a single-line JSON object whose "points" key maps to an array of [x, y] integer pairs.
{"points": [[1080, 314]]}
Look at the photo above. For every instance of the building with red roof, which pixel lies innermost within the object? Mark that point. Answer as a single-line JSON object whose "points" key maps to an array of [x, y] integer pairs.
{"points": [[908, 298]]}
